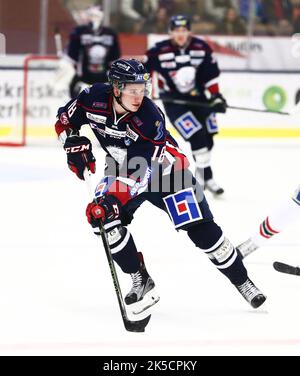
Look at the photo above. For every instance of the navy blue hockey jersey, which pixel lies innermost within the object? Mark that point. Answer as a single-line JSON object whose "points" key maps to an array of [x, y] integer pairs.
{"points": [[93, 51], [135, 140], [183, 71]]}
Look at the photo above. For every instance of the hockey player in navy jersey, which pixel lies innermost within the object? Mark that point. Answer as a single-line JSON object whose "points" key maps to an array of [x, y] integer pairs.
{"points": [[91, 49], [143, 164], [188, 71]]}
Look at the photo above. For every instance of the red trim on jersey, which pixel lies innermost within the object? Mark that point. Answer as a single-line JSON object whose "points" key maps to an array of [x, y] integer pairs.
{"points": [[182, 163], [120, 191], [171, 142], [214, 89]]}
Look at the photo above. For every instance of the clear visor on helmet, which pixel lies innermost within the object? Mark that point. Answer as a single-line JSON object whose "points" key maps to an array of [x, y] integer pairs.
{"points": [[138, 90]]}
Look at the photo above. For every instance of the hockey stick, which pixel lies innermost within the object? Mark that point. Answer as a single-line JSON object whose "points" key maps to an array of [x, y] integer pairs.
{"points": [[131, 326], [285, 268], [208, 106]]}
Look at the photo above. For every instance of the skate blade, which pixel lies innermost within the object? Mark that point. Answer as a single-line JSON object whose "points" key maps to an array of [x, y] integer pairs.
{"points": [[149, 300]]}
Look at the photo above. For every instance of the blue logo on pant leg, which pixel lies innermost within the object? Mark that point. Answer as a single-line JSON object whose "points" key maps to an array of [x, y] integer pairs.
{"points": [[211, 124], [183, 207]]}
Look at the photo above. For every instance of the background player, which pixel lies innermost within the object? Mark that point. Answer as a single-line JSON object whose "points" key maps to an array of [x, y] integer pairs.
{"points": [[91, 49], [187, 70], [131, 129], [281, 217]]}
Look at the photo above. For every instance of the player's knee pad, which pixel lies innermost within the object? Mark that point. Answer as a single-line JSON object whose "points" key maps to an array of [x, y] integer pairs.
{"points": [[202, 157]]}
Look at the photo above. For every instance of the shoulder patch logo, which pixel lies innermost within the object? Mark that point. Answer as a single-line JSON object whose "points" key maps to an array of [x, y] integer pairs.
{"points": [[160, 130]]}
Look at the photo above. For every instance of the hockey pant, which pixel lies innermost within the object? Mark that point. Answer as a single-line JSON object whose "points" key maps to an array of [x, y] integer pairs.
{"points": [[189, 211], [197, 126]]}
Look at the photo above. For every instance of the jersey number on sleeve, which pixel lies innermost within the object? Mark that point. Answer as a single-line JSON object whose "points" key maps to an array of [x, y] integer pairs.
{"points": [[160, 154], [72, 108]]}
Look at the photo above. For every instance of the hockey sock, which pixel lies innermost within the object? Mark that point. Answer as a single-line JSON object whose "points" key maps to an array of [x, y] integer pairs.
{"points": [[279, 219], [209, 237], [123, 249]]}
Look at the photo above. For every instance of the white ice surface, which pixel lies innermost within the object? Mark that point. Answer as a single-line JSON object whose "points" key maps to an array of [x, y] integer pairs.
{"points": [[56, 292]]}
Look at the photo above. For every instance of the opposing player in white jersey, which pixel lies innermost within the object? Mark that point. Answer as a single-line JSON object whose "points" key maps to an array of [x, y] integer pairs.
{"points": [[278, 220]]}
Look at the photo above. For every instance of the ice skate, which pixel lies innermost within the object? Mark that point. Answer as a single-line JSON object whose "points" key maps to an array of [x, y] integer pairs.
{"points": [[251, 293], [245, 248], [213, 187], [142, 294]]}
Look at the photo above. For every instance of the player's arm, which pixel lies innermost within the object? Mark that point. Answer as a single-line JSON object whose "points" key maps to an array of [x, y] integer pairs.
{"points": [[143, 163], [78, 148], [207, 78]]}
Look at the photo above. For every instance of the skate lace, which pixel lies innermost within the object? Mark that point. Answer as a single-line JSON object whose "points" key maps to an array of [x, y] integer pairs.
{"points": [[136, 281], [248, 290]]}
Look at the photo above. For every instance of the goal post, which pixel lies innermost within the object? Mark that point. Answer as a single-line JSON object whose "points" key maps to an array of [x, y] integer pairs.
{"points": [[28, 111]]}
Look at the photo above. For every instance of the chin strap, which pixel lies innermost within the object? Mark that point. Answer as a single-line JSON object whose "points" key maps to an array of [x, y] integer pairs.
{"points": [[118, 99]]}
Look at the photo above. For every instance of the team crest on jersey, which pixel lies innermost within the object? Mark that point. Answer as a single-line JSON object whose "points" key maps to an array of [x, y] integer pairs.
{"points": [[187, 125], [183, 207]]}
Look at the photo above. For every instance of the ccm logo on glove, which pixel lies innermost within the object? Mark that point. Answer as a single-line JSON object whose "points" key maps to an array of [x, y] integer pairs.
{"points": [[79, 155], [77, 149]]}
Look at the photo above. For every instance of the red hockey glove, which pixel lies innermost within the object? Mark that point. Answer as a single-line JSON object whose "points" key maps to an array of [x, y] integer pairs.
{"points": [[106, 208], [79, 155]]}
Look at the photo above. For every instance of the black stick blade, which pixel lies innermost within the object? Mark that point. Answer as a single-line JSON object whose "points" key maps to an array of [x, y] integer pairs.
{"points": [[285, 268], [136, 326]]}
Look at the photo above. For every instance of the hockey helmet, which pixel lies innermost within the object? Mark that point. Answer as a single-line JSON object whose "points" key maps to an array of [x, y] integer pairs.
{"points": [[132, 71], [179, 20]]}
